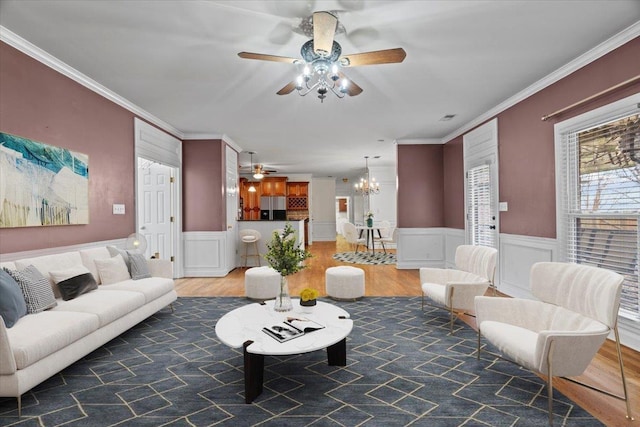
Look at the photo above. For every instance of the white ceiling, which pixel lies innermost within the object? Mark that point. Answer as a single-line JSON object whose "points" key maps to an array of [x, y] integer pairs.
{"points": [[178, 61]]}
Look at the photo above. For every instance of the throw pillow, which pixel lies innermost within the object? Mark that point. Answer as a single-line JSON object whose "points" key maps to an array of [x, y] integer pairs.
{"points": [[112, 270], [35, 288], [74, 281], [12, 304], [113, 251], [139, 267]]}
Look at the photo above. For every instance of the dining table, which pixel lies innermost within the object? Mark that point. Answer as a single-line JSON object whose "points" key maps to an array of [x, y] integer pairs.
{"points": [[370, 236]]}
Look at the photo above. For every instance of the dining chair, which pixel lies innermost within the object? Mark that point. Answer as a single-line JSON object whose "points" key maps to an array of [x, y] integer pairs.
{"points": [[351, 235]]}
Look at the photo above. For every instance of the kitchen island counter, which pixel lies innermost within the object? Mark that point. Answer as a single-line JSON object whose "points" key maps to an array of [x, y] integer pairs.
{"points": [[266, 229]]}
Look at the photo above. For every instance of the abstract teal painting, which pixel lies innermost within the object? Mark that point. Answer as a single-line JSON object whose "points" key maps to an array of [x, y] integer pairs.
{"points": [[41, 184]]}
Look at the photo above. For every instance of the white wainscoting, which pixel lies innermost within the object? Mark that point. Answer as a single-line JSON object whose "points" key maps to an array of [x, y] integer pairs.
{"points": [[428, 247], [516, 256], [324, 231], [204, 254]]}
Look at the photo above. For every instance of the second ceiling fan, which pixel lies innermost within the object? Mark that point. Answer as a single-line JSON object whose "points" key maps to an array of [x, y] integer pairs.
{"points": [[322, 60]]}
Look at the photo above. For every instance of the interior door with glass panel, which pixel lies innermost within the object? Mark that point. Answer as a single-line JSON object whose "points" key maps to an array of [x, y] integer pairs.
{"points": [[480, 148]]}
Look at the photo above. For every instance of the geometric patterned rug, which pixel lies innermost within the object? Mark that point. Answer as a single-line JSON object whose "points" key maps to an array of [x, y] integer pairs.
{"points": [[377, 258], [403, 368]]}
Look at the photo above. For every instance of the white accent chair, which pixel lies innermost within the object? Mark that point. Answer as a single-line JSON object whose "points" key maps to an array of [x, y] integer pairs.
{"points": [[250, 237], [561, 332], [455, 289], [351, 235]]}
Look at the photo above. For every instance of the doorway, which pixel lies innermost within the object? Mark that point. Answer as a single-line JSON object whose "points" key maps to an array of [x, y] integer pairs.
{"points": [[480, 148], [154, 217], [343, 211], [158, 160]]}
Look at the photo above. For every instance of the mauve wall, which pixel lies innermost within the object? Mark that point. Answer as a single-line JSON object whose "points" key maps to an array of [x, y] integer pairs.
{"points": [[526, 143], [202, 185], [41, 104], [526, 152], [420, 189], [453, 204]]}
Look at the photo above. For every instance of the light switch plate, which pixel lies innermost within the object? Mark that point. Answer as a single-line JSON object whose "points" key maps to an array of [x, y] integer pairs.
{"points": [[503, 207], [118, 209]]}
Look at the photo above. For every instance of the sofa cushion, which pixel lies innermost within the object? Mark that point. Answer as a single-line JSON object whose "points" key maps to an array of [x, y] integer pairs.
{"points": [[90, 255], [138, 266], [46, 263], [74, 282], [12, 304], [151, 288], [113, 251], [35, 288], [107, 305], [38, 335], [112, 270]]}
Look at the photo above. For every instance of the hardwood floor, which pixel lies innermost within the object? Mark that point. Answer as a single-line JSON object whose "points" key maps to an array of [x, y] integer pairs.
{"points": [[389, 281]]}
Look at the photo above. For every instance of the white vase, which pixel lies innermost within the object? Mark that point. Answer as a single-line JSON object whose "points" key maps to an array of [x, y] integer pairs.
{"points": [[283, 299]]}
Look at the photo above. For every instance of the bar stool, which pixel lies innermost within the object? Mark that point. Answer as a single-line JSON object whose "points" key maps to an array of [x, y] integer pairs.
{"points": [[250, 238]]}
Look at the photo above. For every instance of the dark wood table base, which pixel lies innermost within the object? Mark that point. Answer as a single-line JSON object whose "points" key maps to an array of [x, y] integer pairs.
{"points": [[254, 367]]}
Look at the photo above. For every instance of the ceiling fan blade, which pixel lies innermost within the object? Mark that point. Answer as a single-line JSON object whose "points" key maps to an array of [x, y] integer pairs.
{"points": [[263, 57], [287, 89], [388, 56], [352, 88], [324, 28]]}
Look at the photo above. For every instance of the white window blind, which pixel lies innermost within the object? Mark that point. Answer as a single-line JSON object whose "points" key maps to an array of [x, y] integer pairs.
{"points": [[602, 201], [480, 217]]}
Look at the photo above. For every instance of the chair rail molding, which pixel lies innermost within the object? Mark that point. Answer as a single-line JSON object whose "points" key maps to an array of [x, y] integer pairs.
{"points": [[204, 253]]}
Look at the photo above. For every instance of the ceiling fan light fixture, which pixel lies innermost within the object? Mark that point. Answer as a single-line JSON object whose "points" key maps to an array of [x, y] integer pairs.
{"points": [[258, 175]]}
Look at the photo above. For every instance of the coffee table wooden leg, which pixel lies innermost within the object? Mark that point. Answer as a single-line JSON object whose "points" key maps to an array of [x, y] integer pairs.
{"points": [[337, 353], [253, 374]]}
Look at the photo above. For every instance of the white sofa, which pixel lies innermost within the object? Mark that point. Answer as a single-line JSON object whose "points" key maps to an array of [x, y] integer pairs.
{"points": [[40, 345]]}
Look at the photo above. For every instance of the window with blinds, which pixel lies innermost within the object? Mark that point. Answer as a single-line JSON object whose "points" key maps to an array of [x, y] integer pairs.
{"points": [[602, 200], [481, 220]]}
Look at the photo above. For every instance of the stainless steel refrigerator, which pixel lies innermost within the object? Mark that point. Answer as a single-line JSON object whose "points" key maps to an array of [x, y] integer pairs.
{"points": [[273, 208]]}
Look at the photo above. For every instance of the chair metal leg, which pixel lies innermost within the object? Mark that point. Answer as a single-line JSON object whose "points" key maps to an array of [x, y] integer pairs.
{"points": [[624, 381], [19, 398], [550, 382]]}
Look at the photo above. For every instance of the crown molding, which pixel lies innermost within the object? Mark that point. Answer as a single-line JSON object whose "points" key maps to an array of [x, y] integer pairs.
{"points": [[407, 141], [600, 50], [28, 48], [188, 136]]}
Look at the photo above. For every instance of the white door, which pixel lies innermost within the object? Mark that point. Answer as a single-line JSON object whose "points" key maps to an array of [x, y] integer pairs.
{"points": [[481, 185], [232, 207], [154, 215]]}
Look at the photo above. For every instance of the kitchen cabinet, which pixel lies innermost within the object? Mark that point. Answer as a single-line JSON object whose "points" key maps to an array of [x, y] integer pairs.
{"points": [[297, 196], [250, 201], [298, 189], [276, 186]]}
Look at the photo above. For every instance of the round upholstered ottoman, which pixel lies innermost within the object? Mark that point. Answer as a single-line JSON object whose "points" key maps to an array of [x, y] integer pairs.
{"points": [[344, 282], [261, 283]]}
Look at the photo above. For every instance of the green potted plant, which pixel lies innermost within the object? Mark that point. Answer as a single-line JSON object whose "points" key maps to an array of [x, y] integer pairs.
{"points": [[286, 257]]}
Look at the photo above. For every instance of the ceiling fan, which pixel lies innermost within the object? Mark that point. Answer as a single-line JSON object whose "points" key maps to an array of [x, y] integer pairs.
{"points": [[258, 170], [322, 60]]}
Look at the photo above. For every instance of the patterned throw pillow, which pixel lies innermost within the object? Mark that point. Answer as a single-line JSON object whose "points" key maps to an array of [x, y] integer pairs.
{"points": [[35, 288], [139, 268]]}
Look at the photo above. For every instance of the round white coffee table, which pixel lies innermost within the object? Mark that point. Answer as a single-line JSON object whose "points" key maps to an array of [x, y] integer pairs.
{"points": [[242, 327]]}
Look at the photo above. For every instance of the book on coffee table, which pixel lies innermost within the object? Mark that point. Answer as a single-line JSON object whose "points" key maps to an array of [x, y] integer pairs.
{"points": [[291, 328]]}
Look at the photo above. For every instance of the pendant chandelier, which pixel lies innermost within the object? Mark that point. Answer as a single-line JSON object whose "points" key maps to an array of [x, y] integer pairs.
{"points": [[367, 185]]}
